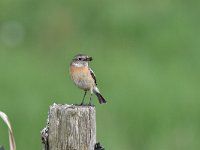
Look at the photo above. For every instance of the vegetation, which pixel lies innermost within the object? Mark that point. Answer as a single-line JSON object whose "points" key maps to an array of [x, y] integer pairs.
{"points": [[146, 59]]}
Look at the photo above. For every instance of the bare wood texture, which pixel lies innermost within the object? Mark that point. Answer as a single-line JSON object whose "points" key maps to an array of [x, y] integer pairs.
{"points": [[71, 127]]}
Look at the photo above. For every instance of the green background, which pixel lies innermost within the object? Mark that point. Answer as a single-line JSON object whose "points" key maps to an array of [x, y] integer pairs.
{"points": [[146, 59]]}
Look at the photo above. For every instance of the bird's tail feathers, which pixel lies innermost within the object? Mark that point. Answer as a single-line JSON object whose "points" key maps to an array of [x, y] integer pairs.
{"points": [[99, 96]]}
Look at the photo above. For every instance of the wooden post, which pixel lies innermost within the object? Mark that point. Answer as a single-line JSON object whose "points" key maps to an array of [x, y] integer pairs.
{"points": [[70, 127]]}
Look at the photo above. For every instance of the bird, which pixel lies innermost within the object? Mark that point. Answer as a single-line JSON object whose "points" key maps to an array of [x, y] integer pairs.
{"points": [[84, 78]]}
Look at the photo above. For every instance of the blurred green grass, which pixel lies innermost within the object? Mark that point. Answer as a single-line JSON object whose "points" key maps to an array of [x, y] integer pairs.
{"points": [[146, 59]]}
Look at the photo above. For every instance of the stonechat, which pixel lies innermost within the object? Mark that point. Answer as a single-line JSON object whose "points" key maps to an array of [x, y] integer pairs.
{"points": [[84, 77]]}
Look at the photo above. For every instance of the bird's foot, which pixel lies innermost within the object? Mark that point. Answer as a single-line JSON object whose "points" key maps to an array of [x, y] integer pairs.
{"points": [[82, 104], [90, 104]]}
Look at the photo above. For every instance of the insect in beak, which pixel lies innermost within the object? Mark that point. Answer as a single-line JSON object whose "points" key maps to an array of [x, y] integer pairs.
{"points": [[89, 59]]}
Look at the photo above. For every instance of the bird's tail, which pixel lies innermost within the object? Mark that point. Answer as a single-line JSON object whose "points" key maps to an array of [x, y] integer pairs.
{"points": [[99, 96]]}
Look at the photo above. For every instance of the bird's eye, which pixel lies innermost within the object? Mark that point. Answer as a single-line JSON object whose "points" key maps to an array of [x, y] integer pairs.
{"points": [[79, 58]]}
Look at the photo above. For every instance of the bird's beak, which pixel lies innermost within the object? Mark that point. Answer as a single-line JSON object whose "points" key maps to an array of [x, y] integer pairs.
{"points": [[89, 58]]}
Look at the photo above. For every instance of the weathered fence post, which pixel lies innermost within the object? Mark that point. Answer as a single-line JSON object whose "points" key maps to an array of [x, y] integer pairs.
{"points": [[70, 127]]}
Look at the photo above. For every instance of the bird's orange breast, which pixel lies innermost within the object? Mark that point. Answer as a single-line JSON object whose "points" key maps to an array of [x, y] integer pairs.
{"points": [[79, 71], [81, 77]]}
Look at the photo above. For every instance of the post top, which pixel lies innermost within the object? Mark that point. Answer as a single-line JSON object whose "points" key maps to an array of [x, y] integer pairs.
{"points": [[70, 106]]}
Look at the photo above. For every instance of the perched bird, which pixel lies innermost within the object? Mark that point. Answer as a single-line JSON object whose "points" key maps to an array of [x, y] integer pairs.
{"points": [[84, 77]]}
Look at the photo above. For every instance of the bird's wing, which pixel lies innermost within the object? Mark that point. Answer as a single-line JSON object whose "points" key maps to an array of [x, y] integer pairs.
{"points": [[93, 75]]}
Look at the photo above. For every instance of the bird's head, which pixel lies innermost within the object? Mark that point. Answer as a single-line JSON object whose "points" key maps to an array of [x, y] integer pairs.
{"points": [[81, 60]]}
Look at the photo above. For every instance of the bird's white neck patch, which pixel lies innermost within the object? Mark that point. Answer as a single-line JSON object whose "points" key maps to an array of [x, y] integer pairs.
{"points": [[80, 64]]}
